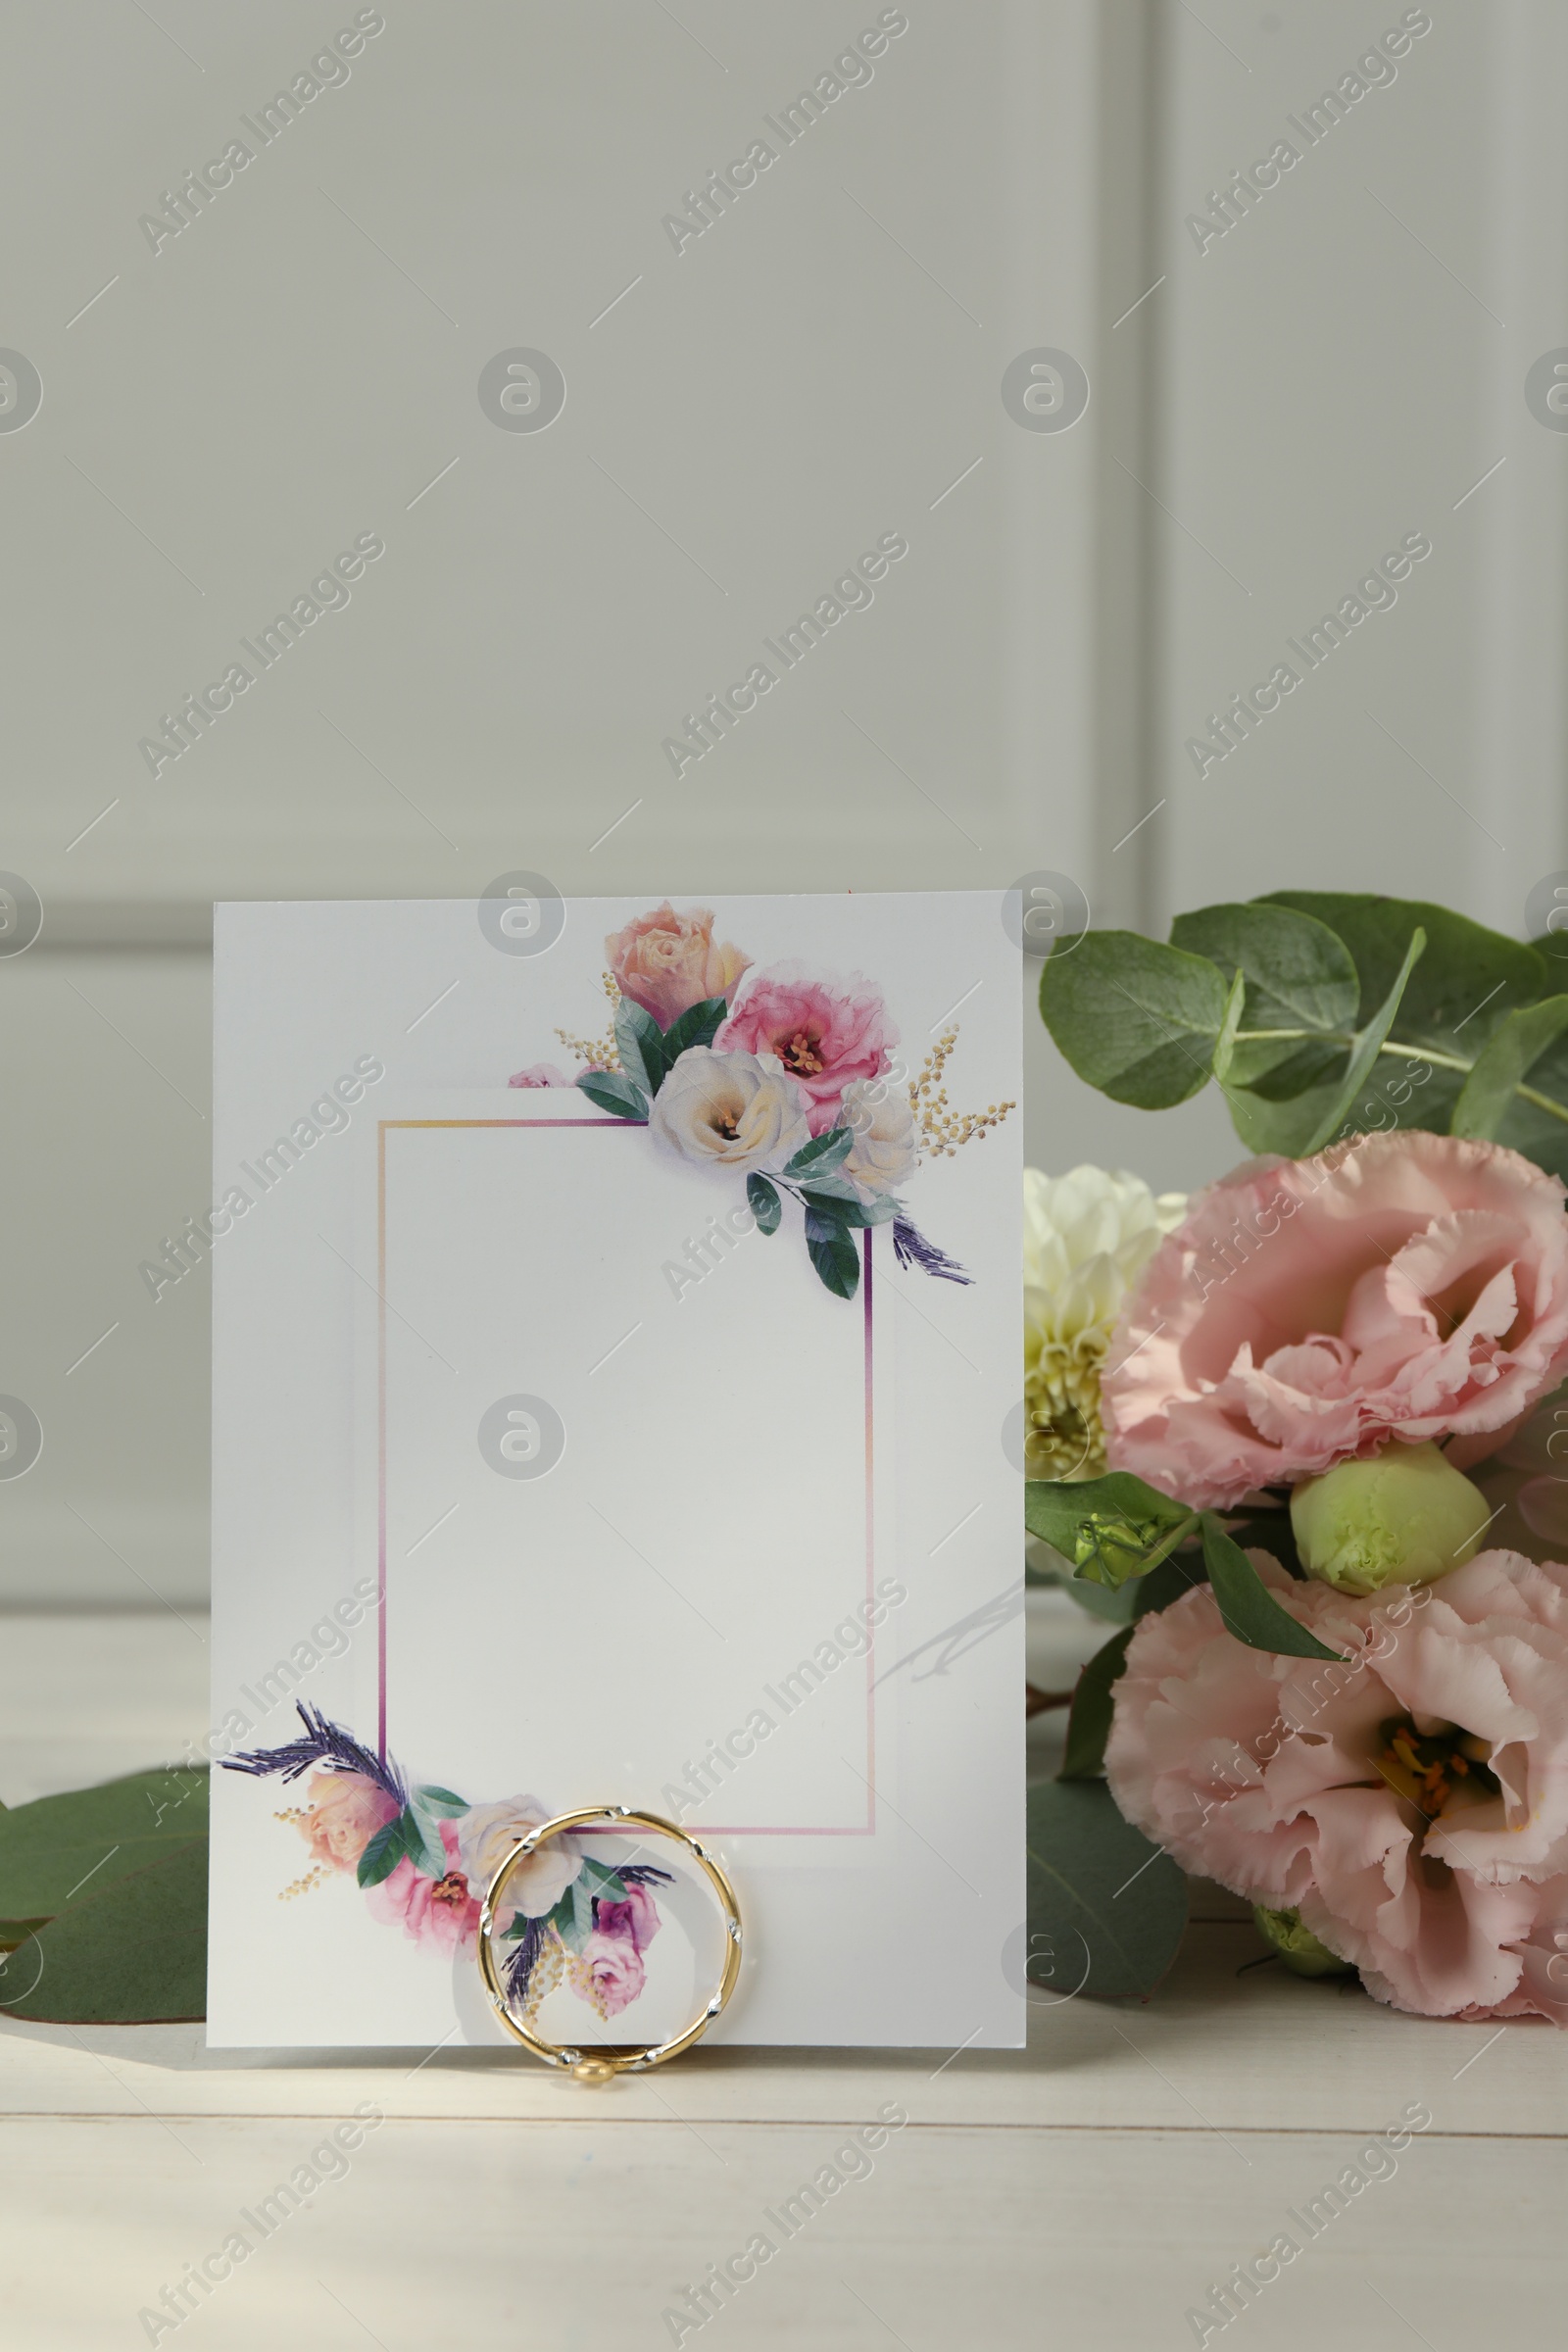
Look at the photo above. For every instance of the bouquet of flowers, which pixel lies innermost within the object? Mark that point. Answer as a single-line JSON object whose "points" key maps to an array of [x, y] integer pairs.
{"points": [[785, 1078], [424, 1858], [1300, 1435]]}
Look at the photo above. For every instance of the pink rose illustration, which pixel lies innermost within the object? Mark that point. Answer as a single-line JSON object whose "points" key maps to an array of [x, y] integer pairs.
{"points": [[615, 1969], [540, 1073], [825, 1031], [668, 962], [345, 1812], [1410, 1802], [1409, 1286], [635, 1922], [443, 1913]]}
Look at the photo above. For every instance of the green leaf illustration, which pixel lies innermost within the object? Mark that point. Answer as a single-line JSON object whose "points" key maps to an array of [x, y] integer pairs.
{"points": [[385, 1850], [823, 1155], [697, 1027], [612, 1091], [834, 1255], [765, 1206], [640, 1044]]}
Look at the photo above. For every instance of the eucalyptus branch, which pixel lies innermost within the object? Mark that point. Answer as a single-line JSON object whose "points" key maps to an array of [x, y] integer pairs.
{"points": [[1393, 1044]]}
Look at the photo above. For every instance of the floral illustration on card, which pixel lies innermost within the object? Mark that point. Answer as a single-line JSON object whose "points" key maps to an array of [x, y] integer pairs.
{"points": [[785, 1080], [424, 1858]]}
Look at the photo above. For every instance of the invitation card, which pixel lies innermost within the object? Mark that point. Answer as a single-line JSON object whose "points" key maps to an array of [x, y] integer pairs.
{"points": [[615, 1313]]}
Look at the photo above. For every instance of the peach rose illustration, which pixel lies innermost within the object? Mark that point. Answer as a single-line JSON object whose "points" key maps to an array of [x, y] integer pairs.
{"points": [[883, 1155], [344, 1813], [668, 962]]}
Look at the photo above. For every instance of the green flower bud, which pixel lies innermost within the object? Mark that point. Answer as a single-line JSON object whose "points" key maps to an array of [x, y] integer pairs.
{"points": [[1405, 1517], [1298, 1946]]}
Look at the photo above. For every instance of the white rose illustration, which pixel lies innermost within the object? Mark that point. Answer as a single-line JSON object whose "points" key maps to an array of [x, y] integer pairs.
{"points": [[735, 1111], [883, 1153], [486, 1835]]}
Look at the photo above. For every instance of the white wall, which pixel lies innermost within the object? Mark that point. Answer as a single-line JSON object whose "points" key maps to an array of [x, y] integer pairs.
{"points": [[818, 367]]}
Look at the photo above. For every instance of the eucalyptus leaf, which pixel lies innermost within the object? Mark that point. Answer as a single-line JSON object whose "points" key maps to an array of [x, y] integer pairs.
{"points": [[1225, 1042], [1299, 976], [88, 1836], [1089, 1723], [612, 1091], [1248, 1608], [1360, 1012], [1288, 1128], [1469, 979], [1368, 1044], [1107, 1909], [1509, 1055], [1138, 1020], [1299, 973], [132, 1952]]}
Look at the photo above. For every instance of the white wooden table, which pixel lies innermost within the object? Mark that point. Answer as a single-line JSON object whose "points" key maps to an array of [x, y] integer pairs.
{"points": [[1085, 2194]]}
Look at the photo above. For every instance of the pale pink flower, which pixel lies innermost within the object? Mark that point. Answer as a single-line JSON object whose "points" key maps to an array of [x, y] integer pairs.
{"points": [[540, 1073], [1406, 1286], [668, 962], [826, 1032], [344, 1813], [442, 1913], [1290, 1780], [615, 1969]]}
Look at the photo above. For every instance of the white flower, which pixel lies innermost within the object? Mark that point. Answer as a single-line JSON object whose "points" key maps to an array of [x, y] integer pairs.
{"points": [[486, 1835], [1086, 1236], [734, 1112], [883, 1153]]}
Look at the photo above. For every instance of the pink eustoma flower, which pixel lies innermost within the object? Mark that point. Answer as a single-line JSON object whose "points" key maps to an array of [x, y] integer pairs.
{"points": [[1410, 1802], [442, 1913], [825, 1031], [1408, 1286]]}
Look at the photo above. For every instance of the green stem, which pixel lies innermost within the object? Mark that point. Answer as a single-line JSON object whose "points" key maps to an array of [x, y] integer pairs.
{"points": [[1437, 1059]]}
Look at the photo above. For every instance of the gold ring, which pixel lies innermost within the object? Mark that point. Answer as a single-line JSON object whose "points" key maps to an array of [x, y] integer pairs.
{"points": [[602, 2062]]}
